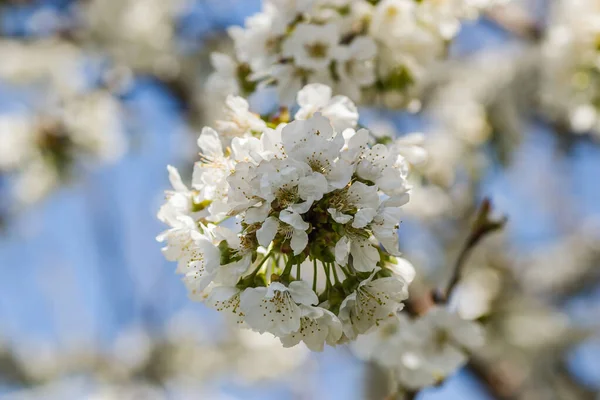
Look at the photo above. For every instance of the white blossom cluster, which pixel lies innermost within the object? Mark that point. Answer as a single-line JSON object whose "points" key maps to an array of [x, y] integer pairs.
{"points": [[378, 50], [67, 123], [140, 34], [422, 351], [313, 254], [571, 64]]}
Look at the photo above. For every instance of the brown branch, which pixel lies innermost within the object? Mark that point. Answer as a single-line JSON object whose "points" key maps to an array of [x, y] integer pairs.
{"points": [[11, 371], [483, 226], [515, 20], [495, 381]]}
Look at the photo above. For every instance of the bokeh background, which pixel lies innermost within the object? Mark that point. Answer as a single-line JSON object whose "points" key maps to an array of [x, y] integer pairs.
{"points": [[89, 308]]}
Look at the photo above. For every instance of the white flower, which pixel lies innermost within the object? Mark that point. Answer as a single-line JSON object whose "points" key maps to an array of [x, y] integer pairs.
{"points": [[423, 351], [229, 274], [365, 255], [197, 257], [17, 140], [384, 167], [93, 123], [202, 267], [312, 46], [227, 300], [287, 182], [224, 80], [291, 7], [355, 66], [414, 371], [359, 198], [210, 174], [356, 142], [180, 241], [317, 327], [271, 143], [340, 110], [288, 10], [35, 181], [294, 230], [314, 143], [403, 268], [179, 201], [448, 332], [276, 308], [396, 345], [256, 43], [385, 228], [439, 342], [372, 302], [239, 121], [288, 79], [385, 343], [411, 148]]}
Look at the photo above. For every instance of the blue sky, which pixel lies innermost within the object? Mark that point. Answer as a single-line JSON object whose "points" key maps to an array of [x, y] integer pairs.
{"points": [[84, 264]]}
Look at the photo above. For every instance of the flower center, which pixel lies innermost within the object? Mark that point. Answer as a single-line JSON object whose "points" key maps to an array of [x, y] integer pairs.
{"points": [[318, 165], [341, 202], [316, 50], [286, 231], [389, 330], [391, 12], [441, 338], [287, 195]]}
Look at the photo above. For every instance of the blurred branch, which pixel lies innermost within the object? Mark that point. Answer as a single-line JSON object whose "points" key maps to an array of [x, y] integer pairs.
{"points": [[513, 19], [11, 371], [574, 388], [482, 227], [498, 383], [587, 281], [377, 385]]}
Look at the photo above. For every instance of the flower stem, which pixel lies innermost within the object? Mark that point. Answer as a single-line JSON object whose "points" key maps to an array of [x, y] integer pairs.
{"points": [[335, 275], [298, 276], [328, 282], [288, 268], [345, 271], [314, 286], [223, 220], [261, 263]]}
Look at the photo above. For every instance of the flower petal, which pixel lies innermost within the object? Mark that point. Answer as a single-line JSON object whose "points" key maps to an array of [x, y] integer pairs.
{"points": [[267, 231]]}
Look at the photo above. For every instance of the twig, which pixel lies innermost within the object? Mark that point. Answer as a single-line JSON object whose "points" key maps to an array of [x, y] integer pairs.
{"points": [[411, 395], [495, 382], [515, 20], [482, 226]]}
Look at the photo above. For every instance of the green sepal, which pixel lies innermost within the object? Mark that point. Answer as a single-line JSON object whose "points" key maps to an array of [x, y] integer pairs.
{"points": [[227, 254], [336, 296], [201, 205]]}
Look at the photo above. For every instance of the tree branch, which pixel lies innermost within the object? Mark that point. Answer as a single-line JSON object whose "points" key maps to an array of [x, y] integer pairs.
{"points": [[513, 19], [483, 226]]}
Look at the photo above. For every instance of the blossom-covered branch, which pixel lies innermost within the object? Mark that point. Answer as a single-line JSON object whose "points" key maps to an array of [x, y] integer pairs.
{"points": [[371, 51]]}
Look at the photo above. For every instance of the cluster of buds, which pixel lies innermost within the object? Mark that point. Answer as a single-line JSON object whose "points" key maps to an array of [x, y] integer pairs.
{"points": [[290, 227]]}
